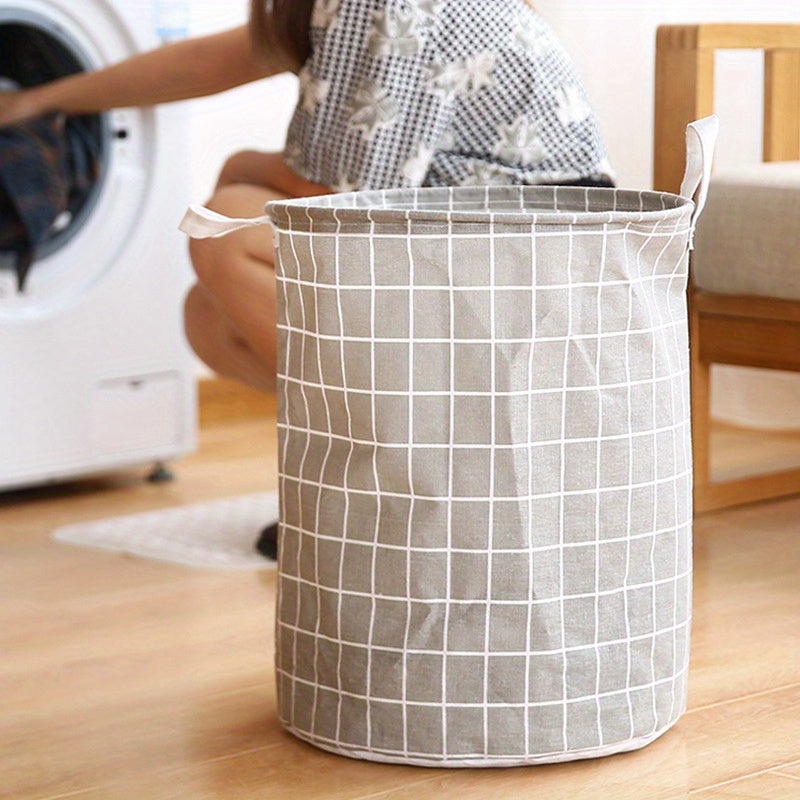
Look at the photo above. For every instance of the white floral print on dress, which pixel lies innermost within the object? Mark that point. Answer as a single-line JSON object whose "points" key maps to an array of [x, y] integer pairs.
{"points": [[462, 77], [481, 67], [532, 38], [484, 174], [312, 90], [292, 154], [571, 105], [417, 166], [427, 12], [346, 184], [447, 141], [372, 108], [520, 142], [444, 80], [395, 34], [324, 13]]}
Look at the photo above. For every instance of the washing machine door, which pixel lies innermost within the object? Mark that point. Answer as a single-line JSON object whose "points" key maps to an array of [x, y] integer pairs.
{"points": [[84, 243]]}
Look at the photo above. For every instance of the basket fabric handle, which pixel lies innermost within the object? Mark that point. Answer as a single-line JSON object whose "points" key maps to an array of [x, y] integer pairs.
{"points": [[200, 222], [701, 138]]}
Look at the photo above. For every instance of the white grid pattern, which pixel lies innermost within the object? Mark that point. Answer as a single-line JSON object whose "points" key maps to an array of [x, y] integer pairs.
{"points": [[485, 472]]}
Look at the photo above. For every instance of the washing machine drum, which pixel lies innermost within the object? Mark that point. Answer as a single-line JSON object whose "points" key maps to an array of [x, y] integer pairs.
{"points": [[50, 166]]}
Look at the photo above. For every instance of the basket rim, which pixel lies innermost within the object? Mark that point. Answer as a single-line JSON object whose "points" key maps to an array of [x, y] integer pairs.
{"points": [[405, 206]]}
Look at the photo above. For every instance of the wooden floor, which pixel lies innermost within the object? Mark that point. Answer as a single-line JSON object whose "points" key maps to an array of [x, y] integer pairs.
{"points": [[128, 679]]}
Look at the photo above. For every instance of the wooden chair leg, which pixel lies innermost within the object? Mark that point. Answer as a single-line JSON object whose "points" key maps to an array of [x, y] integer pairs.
{"points": [[701, 416]]}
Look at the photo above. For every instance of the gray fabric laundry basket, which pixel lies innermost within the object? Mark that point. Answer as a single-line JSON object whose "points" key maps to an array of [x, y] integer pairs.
{"points": [[485, 470]]}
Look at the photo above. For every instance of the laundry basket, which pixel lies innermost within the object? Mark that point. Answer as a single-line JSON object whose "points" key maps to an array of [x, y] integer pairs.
{"points": [[485, 469]]}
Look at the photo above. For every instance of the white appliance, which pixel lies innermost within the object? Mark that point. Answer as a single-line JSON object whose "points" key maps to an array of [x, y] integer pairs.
{"points": [[94, 370]]}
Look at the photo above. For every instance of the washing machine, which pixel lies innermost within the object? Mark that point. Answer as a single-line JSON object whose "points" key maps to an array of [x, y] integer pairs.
{"points": [[95, 374]]}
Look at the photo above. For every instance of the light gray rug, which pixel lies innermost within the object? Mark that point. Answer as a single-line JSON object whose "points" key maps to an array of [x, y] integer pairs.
{"points": [[217, 533]]}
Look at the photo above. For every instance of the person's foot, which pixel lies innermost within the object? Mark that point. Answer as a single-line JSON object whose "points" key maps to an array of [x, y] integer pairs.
{"points": [[267, 543]]}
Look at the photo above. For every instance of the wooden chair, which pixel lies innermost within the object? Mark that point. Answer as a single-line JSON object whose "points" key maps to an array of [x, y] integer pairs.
{"points": [[729, 328]]}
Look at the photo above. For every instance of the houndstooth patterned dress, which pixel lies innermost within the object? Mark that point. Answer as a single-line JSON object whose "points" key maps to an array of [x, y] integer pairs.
{"points": [[405, 93]]}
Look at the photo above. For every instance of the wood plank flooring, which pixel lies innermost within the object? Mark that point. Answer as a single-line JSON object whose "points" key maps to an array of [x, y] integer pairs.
{"points": [[125, 679]]}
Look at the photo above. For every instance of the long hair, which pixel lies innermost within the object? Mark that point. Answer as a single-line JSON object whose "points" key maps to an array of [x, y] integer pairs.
{"points": [[279, 30]]}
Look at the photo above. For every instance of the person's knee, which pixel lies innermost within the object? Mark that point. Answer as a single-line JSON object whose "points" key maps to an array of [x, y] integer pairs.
{"points": [[195, 313], [194, 303], [201, 326], [226, 261], [235, 200], [235, 165], [208, 261], [211, 258]]}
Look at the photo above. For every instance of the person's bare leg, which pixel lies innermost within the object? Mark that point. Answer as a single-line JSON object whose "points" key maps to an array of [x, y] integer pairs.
{"points": [[216, 343], [267, 169], [230, 316]]}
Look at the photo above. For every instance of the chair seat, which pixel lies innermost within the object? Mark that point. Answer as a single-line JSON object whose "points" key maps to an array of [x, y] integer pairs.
{"points": [[748, 239]]}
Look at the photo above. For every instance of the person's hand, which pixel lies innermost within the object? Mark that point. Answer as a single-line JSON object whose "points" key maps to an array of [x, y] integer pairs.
{"points": [[16, 107]]}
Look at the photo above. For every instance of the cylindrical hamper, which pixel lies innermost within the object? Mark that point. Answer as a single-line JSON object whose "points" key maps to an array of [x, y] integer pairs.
{"points": [[485, 469]]}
